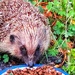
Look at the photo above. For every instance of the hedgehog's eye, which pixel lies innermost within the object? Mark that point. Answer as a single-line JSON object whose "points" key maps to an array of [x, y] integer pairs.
{"points": [[23, 50], [12, 38], [37, 52]]}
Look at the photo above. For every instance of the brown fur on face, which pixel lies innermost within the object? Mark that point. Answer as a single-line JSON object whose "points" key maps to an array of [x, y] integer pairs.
{"points": [[28, 27]]}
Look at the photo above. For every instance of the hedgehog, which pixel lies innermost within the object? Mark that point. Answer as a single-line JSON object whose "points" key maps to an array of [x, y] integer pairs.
{"points": [[24, 31]]}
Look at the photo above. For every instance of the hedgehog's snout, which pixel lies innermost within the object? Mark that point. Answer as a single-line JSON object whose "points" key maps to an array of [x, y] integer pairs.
{"points": [[28, 55], [30, 58], [30, 62], [27, 59]]}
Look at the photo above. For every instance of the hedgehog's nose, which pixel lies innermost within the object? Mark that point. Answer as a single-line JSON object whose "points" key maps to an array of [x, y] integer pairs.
{"points": [[30, 64]]}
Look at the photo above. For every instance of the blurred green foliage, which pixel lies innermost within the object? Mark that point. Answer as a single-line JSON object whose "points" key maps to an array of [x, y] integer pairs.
{"points": [[70, 68]]}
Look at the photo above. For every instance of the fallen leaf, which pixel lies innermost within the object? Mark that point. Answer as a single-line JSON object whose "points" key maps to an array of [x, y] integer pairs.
{"points": [[70, 45], [48, 14], [72, 21], [53, 23]]}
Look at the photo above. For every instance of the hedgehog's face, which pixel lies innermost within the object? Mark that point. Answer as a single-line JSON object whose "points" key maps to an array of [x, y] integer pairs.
{"points": [[24, 51], [27, 46], [30, 58]]}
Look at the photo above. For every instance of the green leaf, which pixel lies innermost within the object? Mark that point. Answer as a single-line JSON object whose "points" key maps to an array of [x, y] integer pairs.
{"points": [[73, 52], [71, 27], [71, 13], [58, 28], [53, 52], [66, 34], [70, 33], [60, 41], [62, 13], [56, 3], [40, 0], [64, 45], [5, 58], [64, 4], [41, 9], [33, 2], [73, 2], [71, 30], [49, 6]]}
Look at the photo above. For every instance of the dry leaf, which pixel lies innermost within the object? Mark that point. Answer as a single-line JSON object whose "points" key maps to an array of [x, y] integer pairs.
{"points": [[72, 21]]}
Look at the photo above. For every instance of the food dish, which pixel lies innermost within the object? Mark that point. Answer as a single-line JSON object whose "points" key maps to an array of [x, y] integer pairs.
{"points": [[23, 66]]}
